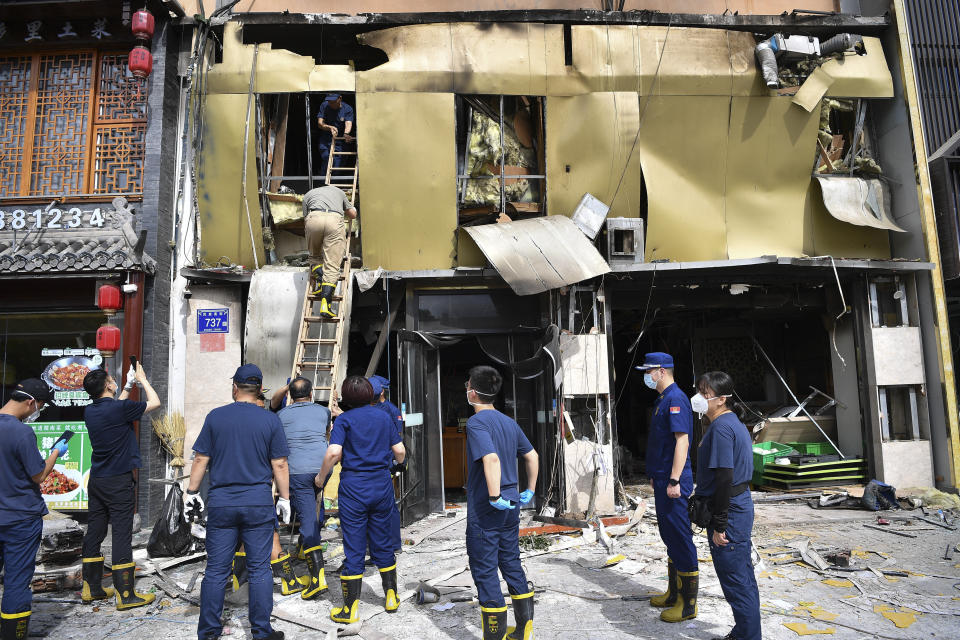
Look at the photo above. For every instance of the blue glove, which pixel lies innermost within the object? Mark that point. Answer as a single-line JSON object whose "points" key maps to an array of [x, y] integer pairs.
{"points": [[61, 447], [526, 497], [501, 504]]}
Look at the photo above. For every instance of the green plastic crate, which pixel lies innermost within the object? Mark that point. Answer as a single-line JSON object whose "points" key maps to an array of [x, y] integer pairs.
{"points": [[776, 450], [814, 448]]}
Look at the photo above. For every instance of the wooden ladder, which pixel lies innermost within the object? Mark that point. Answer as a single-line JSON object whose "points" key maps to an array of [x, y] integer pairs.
{"points": [[322, 342], [343, 177]]}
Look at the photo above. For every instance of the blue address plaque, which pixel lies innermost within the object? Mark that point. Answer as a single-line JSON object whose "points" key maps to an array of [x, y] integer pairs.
{"points": [[213, 320]]}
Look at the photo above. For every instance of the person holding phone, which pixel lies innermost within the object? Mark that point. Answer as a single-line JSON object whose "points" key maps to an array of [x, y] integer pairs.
{"points": [[111, 488], [494, 442], [22, 470]]}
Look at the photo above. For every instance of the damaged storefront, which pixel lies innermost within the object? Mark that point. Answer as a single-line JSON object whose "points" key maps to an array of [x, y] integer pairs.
{"points": [[555, 199]]}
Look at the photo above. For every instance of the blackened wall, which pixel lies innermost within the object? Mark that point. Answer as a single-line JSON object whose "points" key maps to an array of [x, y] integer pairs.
{"points": [[157, 219]]}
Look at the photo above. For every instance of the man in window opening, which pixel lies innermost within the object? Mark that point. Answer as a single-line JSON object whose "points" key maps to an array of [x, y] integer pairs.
{"points": [[111, 488], [494, 442], [22, 471], [335, 119], [668, 465], [324, 210]]}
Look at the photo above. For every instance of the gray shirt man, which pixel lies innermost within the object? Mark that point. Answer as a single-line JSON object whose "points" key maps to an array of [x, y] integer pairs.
{"points": [[326, 198]]}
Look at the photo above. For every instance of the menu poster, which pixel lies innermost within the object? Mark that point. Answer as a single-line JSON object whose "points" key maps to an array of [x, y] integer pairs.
{"points": [[66, 486], [65, 373]]}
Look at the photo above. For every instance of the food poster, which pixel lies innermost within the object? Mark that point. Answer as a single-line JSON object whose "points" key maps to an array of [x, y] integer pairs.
{"points": [[65, 489], [64, 369]]}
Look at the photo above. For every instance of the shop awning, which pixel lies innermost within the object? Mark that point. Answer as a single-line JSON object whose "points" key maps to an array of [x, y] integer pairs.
{"points": [[539, 254], [857, 201]]}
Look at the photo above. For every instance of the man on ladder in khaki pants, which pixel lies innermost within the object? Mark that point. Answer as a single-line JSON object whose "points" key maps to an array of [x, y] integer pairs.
{"points": [[324, 210]]}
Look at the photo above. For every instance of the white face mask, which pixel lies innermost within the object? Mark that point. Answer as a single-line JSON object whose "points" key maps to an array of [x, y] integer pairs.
{"points": [[36, 414], [472, 404], [699, 404]]}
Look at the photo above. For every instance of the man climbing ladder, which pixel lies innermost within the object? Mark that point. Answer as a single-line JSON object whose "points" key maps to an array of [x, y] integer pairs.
{"points": [[324, 210]]}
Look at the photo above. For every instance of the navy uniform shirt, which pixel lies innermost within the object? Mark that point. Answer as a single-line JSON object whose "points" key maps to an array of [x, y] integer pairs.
{"points": [[394, 412], [490, 431], [114, 442], [305, 426], [671, 414], [336, 118], [366, 435], [241, 439], [725, 445], [20, 460]]}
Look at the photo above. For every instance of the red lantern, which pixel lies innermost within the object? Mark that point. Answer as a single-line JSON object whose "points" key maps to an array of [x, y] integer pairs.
{"points": [[141, 23], [109, 299], [140, 61], [108, 339]]}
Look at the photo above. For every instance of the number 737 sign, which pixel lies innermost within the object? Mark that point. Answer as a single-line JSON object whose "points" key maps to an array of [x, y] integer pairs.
{"points": [[71, 218]]}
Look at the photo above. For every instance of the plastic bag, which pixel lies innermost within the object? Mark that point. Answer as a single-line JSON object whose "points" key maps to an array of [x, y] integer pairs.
{"points": [[171, 534], [879, 495]]}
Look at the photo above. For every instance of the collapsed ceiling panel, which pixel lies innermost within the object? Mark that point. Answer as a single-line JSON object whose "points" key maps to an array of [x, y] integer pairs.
{"points": [[539, 254], [858, 201]]}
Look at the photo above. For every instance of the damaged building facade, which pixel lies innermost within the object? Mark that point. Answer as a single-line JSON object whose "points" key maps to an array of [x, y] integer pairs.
{"points": [[555, 193]]}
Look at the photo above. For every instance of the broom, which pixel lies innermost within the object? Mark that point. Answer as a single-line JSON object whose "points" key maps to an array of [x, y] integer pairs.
{"points": [[171, 429]]}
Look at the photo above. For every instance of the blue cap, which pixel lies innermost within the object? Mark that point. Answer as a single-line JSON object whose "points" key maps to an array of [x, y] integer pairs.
{"points": [[248, 374], [656, 360], [377, 386], [332, 96], [383, 381]]}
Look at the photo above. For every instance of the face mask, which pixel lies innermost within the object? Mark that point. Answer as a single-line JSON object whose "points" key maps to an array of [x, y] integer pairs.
{"points": [[649, 381], [32, 417], [699, 404], [472, 404]]}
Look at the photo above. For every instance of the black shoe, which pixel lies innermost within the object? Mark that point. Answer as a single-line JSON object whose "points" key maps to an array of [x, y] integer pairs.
{"points": [[275, 635], [729, 636]]}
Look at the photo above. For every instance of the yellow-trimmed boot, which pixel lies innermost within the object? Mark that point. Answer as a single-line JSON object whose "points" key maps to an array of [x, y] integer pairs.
{"points": [[350, 586], [14, 626], [316, 274], [494, 620], [239, 576], [317, 583], [389, 578], [669, 598], [124, 576], [283, 569], [326, 302], [523, 614], [93, 581], [686, 605]]}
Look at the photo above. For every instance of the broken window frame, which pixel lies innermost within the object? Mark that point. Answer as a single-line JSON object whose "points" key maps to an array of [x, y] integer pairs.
{"points": [[463, 137], [862, 128]]}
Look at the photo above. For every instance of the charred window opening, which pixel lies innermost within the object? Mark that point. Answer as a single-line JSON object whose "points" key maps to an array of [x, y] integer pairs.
{"points": [[500, 158], [327, 44], [845, 142]]}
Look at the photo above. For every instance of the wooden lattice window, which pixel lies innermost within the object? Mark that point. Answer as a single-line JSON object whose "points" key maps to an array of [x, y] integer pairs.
{"points": [[71, 124]]}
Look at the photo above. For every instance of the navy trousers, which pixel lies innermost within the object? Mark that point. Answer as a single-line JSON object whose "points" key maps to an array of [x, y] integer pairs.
{"points": [[395, 527], [673, 521], [303, 499], [324, 148], [18, 559], [735, 570], [225, 526], [495, 548], [366, 502]]}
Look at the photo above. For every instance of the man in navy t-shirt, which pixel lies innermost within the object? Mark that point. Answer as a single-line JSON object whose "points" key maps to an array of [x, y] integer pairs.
{"points": [[245, 449], [111, 488], [494, 442], [22, 469], [335, 119]]}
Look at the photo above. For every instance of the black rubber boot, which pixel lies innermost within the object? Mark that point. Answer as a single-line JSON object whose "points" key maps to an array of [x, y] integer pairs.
{"points": [[389, 578], [326, 304], [274, 635], [240, 574], [494, 622], [283, 569], [350, 586], [523, 614], [93, 581], [669, 598], [316, 275], [318, 582], [14, 626], [686, 605], [127, 597]]}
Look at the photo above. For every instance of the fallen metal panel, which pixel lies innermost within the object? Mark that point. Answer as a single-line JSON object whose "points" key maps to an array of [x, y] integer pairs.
{"points": [[813, 89], [866, 76], [897, 356], [824, 235], [407, 158], [273, 320], [539, 254], [858, 201]]}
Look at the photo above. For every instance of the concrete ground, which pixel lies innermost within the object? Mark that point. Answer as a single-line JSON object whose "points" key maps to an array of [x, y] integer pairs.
{"points": [[579, 599]]}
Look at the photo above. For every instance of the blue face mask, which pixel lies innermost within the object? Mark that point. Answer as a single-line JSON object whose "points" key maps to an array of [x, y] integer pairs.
{"points": [[648, 380]]}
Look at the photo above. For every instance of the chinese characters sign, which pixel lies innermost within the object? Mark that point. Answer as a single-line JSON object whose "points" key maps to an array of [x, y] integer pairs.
{"points": [[213, 320], [66, 486]]}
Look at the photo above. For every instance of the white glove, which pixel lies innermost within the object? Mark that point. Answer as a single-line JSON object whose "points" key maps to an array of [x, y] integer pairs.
{"points": [[192, 506], [283, 510], [131, 379]]}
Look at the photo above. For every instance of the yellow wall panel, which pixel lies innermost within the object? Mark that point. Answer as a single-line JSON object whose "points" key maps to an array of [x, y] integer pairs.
{"points": [[408, 180], [770, 152], [588, 143], [224, 230], [683, 149]]}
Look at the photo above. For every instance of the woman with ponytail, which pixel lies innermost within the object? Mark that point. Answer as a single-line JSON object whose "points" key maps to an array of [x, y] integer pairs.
{"points": [[724, 469]]}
